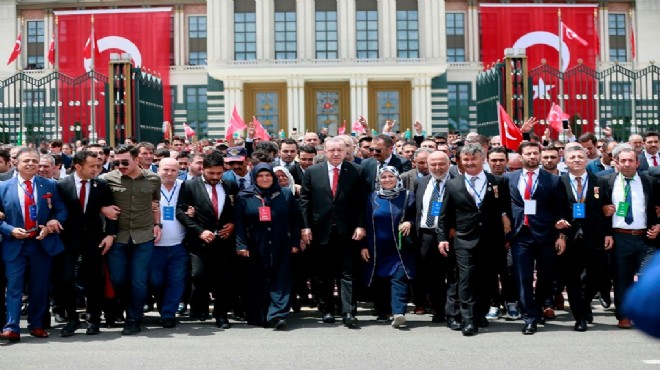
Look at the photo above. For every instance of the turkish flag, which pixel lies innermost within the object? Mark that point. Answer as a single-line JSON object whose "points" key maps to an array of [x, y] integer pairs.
{"points": [[555, 116], [188, 131], [17, 50], [142, 33], [235, 125], [569, 34], [633, 48], [509, 133], [259, 130]]}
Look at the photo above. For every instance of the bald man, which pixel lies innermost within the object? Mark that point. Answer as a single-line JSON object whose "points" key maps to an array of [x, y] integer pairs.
{"points": [[311, 138]]}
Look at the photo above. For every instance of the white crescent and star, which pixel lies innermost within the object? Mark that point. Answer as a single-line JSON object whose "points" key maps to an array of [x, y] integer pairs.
{"points": [[119, 43], [550, 39]]}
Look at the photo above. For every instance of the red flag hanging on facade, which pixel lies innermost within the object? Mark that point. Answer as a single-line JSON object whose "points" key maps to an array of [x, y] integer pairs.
{"points": [[144, 34], [51, 52], [17, 50], [509, 133]]}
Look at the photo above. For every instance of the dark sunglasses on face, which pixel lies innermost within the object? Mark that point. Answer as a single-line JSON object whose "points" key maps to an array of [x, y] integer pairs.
{"points": [[123, 162], [377, 150]]}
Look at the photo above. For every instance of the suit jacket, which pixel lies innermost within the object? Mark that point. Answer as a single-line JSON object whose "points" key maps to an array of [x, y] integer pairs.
{"points": [[655, 172], [85, 229], [595, 166], [49, 207], [193, 193], [370, 167], [651, 193], [7, 175], [643, 163], [460, 212], [321, 210], [549, 196], [419, 188], [594, 226], [409, 179]]}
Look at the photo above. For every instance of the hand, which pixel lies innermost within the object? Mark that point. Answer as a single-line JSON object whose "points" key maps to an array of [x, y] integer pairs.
{"points": [[546, 133], [19, 233], [158, 233], [560, 246], [569, 131], [54, 226], [404, 228], [2, 216], [359, 233], [652, 232], [562, 224], [297, 189], [507, 245], [507, 224], [306, 235], [303, 245], [365, 254], [295, 250], [207, 236], [251, 130], [609, 210], [243, 253], [43, 233], [190, 212], [609, 243], [389, 124], [607, 130], [444, 248], [529, 124], [106, 244], [111, 212], [226, 231], [363, 122], [418, 128]]}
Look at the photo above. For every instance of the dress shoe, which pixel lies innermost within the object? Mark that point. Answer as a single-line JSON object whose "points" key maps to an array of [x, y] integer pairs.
{"points": [[549, 313], [280, 323], [222, 323], [169, 323], [131, 328], [581, 325], [183, 308], [482, 322], [70, 328], [624, 324], [605, 300], [92, 329], [540, 321], [10, 336], [349, 321], [419, 310], [529, 329], [39, 333], [453, 324], [328, 318], [469, 330], [437, 319], [590, 319], [383, 318], [239, 315]]}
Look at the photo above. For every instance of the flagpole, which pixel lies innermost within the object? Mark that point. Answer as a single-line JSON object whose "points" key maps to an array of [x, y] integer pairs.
{"points": [[597, 56], [93, 97], [57, 80], [634, 88], [560, 80]]}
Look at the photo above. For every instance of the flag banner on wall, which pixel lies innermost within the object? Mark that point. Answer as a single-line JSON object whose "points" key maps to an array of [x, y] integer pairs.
{"points": [[142, 33]]}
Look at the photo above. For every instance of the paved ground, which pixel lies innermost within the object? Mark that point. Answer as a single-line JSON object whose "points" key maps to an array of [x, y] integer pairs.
{"points": [[309, 344]]}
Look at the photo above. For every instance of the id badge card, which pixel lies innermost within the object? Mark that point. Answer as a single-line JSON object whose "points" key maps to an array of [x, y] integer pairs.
{"points": [[168, 213], [435, 209], [530, 207], [264, 213], [622, 209], [33, 212], [579, 210]]}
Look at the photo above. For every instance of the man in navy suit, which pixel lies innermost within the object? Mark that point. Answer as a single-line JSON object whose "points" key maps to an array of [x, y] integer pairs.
{"points": [[33, 212], [381, 148], [649, 157], [536, 201]]}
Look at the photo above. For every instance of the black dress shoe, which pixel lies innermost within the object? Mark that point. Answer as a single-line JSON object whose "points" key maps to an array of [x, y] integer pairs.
{"points": [[131, 328], [453, 324], [605, 300], [529, 329], [482, 322], [222, 323], [470, 329], [169, 323], [350, 321], [437, 319], [328, 318], [92, 329], [280, 323], [541, 321], [581, 325], [70, 328]]}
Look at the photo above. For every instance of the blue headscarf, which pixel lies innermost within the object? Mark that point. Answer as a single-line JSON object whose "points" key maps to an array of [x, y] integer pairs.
{"points": [[274, 188]]}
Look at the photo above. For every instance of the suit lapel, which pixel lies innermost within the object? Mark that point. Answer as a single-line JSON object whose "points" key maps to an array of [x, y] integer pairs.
{"points": [[13, 194], [513, 186], [462, 183], [326, 179], [566, 180], [646, 185], [201, 187]]}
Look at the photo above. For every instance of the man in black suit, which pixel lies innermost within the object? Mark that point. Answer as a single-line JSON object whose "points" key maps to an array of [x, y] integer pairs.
{"points": [[287, 159], [83, 235], [420, 157], [536, 201], [476, 206], [586, 236], [381, 148], [630, 199], [332, 200], [210, 238], [649, 158]]}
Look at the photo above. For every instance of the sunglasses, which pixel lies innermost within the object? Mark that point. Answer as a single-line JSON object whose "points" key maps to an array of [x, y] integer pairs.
{"points": [[377, 150], [123, 162]]}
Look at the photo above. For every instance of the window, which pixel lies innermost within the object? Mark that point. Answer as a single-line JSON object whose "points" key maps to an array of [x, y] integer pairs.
{"points": [[245, 36], [459, 105], [407, 29], [197, 40], [285, 29], [196, 107], [326, 35], [367, 34], [455, 23], [616, 26], [35, 45]]}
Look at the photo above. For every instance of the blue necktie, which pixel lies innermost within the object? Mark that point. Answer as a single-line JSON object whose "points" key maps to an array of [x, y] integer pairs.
{"points": [[430, 219], [629, 216], [241, 184]]}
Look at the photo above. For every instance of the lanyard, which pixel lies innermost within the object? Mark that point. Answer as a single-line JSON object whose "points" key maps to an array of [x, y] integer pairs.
{"points": [[29, 194], [477, 193], [171, 194], [584, 189], [534, 185]]}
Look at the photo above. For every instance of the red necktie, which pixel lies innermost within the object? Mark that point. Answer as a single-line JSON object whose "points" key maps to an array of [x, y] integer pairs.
{"points": [[335, 180], [83, 194], [579, 189], [528, 191], [29, 201], [214, 201], [655, 160]]}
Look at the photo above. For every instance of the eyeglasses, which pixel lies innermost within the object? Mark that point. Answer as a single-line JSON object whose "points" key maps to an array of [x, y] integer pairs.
{"points": [[377, 150], [123, 162]]}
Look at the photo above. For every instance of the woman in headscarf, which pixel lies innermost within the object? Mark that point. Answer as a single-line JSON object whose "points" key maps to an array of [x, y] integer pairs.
{"points": [[285, 179], [267, 232], [389, 251]]}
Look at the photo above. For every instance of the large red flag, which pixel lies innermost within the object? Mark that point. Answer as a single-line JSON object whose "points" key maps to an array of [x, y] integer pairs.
{"points": [[51, 51], [17, 50], [259, 130], [509, 132], [236, 124], [555, 116]]}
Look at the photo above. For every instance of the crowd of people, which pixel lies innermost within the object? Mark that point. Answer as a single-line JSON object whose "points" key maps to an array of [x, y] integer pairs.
{"points": [[452, 226]]}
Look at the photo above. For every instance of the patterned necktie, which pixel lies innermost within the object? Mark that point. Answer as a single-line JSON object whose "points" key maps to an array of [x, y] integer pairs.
{"points": [[473, 181], [629, 216], [83, 194], [214, 201], [335, 181], [430, 219], [528, 191], [578, 196], [29, 201], [241, 183]]}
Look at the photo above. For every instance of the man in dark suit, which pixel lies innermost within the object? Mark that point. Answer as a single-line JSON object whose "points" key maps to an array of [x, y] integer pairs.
{"points": [[33, 212], [586, 236], [381, 148], [332, 200], [84, 196], [630, 199], [420, 158], [476, 204], [287, 159], [536, 201], [649, 157], [210, 238]]}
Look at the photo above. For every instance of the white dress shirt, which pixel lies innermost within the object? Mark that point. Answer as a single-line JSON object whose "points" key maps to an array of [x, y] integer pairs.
{"points": [[479, 185], [428, 193], [331, 172], [78, 182], [21, 193], [649, 158], [522, 183], [638, 203], [574, 185], [221, 194], [173, 231]]}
